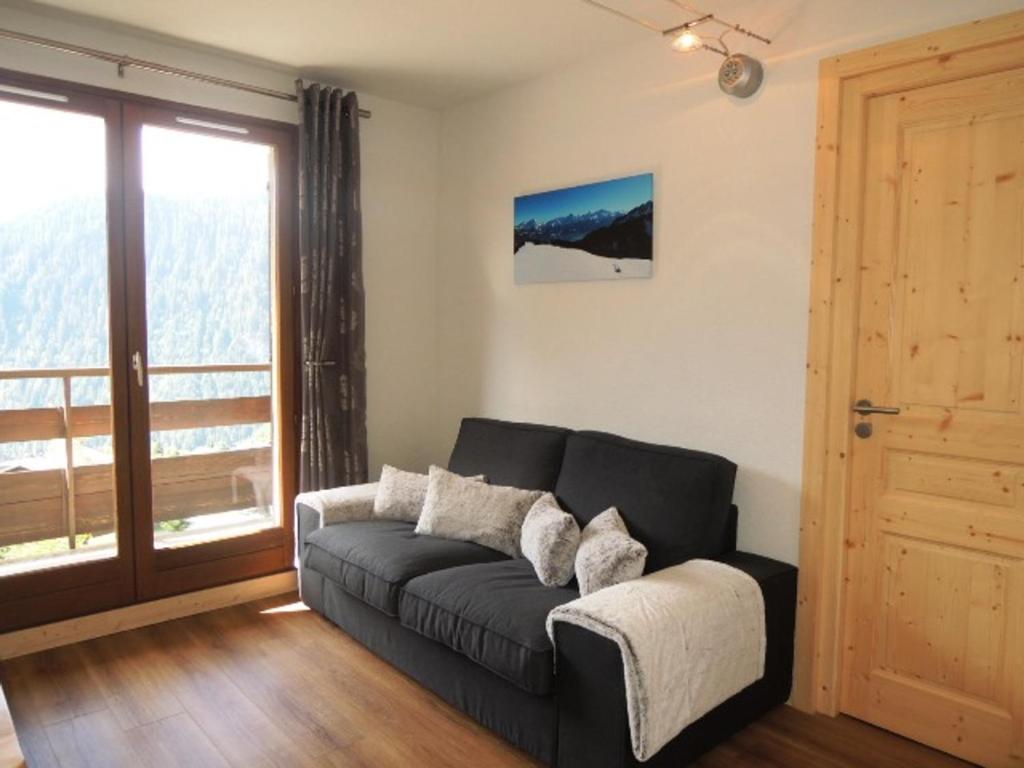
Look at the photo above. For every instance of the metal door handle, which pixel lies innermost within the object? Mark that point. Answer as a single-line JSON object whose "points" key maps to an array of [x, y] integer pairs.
{"points": [[139, 368], [865, 408]]}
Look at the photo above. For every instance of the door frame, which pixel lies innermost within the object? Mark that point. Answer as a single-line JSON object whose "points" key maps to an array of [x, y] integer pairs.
{"points": [[161, 573], [833, 324], [46, 596]]}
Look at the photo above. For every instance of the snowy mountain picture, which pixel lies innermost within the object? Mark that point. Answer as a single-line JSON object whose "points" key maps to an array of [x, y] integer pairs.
{"points": [[601, 231]]}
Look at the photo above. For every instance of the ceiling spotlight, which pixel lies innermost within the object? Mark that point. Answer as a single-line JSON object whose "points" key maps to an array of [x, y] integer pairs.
{"points": [[687, 41], [740, 75]]}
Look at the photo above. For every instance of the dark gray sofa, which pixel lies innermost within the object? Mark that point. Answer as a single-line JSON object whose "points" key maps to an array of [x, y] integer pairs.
{"points": [[467, 622]]}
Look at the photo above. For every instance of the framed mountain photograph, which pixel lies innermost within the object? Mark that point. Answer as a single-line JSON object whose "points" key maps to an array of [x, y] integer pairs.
{"points": [[601, 231]]}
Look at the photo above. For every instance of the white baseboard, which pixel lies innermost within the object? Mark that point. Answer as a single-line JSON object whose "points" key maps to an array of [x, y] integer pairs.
{"points": [[25, 641]]}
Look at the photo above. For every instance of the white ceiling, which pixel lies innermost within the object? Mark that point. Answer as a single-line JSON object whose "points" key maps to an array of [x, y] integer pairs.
{"points": [[434, 53]]}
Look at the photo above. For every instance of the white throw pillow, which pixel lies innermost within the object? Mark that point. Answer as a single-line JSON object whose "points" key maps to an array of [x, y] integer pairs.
{"points": [[467, 510], [549, 541], [607, 554], [400, 494]]}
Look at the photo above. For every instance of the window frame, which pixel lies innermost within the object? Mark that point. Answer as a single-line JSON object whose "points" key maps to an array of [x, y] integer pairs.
{"points": [[139, 572]]}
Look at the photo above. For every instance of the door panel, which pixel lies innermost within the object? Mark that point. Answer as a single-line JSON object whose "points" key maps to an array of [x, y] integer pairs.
{"points": [[205, 272], [934, 624], [65, 527], [962, 318]]}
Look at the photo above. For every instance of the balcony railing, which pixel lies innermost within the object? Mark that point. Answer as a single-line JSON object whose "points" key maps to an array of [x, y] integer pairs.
{"points": [[66, 501]]}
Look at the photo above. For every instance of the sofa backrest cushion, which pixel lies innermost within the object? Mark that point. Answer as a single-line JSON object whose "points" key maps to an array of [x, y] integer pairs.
{"points": [[522, 455], [676, 502]]}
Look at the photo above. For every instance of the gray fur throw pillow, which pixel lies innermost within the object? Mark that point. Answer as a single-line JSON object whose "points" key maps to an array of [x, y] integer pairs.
{"points": [[607, 554], [549, 541], [466, 510], [400, 494]]}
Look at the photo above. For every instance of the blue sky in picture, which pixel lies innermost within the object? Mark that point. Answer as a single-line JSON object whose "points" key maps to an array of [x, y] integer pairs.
{"points": [[615, 195]]}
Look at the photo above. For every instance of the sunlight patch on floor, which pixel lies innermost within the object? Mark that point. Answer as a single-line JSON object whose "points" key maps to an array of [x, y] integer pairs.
{"points": [[295, 607]]}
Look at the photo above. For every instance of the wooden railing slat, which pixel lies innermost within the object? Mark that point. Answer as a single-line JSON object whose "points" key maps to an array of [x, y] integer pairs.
{"points": [[30, 424], [154, 370], [194, 414], [32, 520], [89, 420], [94, 420]]}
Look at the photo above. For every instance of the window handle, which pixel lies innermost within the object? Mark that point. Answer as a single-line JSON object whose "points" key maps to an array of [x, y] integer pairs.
{"points": [[139, 368]]}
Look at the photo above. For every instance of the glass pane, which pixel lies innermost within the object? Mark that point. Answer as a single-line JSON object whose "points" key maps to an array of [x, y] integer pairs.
{"points": [[57, 503], [208, 294]]}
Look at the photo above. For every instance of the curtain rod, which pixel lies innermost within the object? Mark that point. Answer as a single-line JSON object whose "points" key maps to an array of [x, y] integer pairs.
{"points": [[123, 62]]}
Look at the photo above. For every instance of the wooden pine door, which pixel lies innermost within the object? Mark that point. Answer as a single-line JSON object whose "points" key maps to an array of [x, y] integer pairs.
{"points": [[933, 644]]}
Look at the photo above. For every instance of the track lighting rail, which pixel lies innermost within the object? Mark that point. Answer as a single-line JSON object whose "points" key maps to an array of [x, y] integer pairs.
{"points": [[684, 39]]}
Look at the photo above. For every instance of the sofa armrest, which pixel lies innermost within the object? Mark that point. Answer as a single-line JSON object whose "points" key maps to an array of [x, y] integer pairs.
{"points": [[317, 509], [593, 726]]}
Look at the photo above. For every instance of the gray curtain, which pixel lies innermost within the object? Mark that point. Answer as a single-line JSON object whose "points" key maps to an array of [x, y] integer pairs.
{"points": [[331, 303]]}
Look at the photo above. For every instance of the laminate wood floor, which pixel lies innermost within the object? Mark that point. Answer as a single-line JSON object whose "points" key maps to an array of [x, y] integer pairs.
{"points": [[272, 684]]}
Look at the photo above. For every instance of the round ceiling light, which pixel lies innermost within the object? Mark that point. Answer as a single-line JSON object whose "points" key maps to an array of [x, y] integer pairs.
{"points": [[740, 75]]}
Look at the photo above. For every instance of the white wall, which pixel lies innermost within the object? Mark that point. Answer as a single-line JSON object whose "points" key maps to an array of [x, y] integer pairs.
{"points": [[710, 353], [400, 177]]}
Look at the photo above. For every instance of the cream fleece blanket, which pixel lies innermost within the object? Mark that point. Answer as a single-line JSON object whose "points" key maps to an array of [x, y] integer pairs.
{"points": [[691, 636]]}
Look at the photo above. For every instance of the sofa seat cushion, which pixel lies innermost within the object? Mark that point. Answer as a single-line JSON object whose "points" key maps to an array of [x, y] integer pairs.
{"points": [[373, 559], [494, 613]]}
